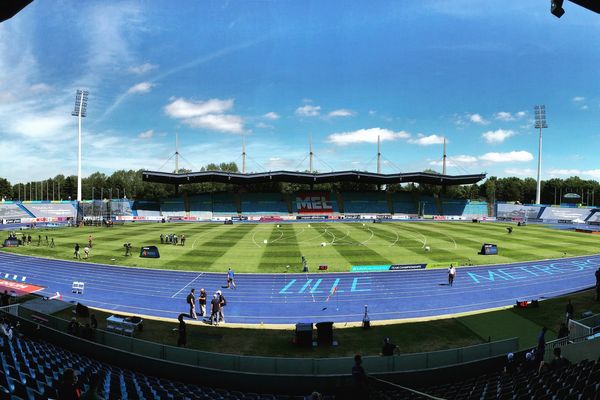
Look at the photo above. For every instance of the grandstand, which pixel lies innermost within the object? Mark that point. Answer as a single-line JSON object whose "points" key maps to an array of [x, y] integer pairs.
{"points": [[365, 202], [50, 210], [404, 203], [201, 206], [225, 204], [263, 203], [173, 207], [13, 211], [146, 208]]}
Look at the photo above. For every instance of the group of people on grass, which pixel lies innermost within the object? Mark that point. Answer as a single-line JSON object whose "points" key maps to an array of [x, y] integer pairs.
{"points": [[172, 238]]}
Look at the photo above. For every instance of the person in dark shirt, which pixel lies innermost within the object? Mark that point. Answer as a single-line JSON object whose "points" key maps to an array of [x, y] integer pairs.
{"points": [[191, 300], [541, 344], [215, 305], [77, 254], [388, 348], [68, 388], [569, 311], [563, 331], [361, 383], [510, 367], [202, 302], [559, 361], [182, 338], [93, 321]]}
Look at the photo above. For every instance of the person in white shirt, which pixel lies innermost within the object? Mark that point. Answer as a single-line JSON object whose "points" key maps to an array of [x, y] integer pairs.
{"points": [[451, 274]]}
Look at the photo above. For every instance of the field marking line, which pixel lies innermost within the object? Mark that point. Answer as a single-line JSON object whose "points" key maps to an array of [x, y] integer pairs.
{"points": [[188, 284], [314, 237], [280, 236], [199, 236], [254, 239], [395, 241], [370, 237], [410, 233]]}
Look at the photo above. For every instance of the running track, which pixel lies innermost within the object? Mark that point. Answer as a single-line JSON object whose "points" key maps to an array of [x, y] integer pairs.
{"points": [[291, 298]]}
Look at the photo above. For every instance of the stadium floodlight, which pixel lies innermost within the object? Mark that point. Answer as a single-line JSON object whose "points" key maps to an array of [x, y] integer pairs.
{"points": [[556, 8], [540, 123], [80, 111]]}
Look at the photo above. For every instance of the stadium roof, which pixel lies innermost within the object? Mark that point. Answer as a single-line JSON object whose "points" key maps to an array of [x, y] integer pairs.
{"points": [[238, 178]]}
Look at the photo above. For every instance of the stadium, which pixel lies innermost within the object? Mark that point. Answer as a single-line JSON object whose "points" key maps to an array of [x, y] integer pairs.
{"points": [[300, 280]]}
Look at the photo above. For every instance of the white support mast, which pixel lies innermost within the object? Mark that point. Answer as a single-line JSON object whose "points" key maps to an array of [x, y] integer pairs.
{"points": [[243, 154], [444, 158], [540, 123], [310, 154], [80, 111], [378, 155], [176, 153]]}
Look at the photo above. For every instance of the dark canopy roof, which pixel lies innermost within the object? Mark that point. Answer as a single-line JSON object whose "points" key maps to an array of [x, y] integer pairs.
{"points": [[238, 178]]}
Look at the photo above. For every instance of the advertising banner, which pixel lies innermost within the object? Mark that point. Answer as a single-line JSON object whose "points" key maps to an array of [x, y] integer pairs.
{"points": [[313, 203]]}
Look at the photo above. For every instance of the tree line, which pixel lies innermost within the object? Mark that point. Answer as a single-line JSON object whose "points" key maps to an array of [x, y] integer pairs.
{"points": [[129, 184]]}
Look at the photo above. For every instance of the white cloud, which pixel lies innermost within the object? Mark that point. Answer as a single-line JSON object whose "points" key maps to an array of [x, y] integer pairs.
{"points": [[308, 111], [504, 116], [217, 122], [142, 87], [181, 108], [521, 114], [372, 112], [512, 156], [142, 69], [478, 119], [520, 172], [365, 136], [262, 125], [578, 98], [584, 107], [568, 172], [271, 115], [423, 140], [342, 112], [209, 114], [497, 136], [40, 88], [146, 134]]}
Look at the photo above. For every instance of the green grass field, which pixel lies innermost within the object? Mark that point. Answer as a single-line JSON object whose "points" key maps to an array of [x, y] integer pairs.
{"points": [[214, 247]]}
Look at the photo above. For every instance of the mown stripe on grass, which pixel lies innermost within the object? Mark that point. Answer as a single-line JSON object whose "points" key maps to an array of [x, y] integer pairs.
{"points": [[278, 251], [207, 253], [359, 254]]}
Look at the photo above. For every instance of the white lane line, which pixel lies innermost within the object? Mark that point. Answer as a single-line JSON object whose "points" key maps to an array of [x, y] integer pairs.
{"points": [[189, 283]]}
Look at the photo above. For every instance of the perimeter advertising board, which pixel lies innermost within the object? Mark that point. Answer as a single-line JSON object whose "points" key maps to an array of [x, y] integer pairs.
{"points": [[314, 203]]}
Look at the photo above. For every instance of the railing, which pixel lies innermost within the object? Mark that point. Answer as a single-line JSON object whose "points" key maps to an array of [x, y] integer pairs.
{"points": [[280, 365]]}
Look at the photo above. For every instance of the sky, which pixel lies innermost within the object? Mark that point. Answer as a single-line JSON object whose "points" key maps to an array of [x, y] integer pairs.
{"points": [[280, 74]]}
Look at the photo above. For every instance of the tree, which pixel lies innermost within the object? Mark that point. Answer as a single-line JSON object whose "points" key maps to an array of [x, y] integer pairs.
{"points": [[6, 190]]}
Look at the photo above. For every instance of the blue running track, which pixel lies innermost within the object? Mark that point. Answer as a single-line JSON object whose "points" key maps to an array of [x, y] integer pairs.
{"points": [[291, 298]]}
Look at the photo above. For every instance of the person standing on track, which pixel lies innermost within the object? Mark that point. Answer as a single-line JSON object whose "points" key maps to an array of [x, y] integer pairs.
{"points": [[230, 276], [191, 300], [451, 274], [222, 304], [202, 302], [215, 306]]}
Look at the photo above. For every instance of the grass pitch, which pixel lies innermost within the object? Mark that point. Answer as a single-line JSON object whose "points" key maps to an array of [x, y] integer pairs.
{"points": [[249, 247]]}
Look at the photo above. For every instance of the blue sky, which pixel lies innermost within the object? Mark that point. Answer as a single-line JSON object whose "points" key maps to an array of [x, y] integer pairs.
{"points": [[279, 72]]}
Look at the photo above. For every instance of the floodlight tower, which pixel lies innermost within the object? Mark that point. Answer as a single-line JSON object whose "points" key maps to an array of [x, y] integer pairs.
{"points": [[540, 123], [80, 111]]}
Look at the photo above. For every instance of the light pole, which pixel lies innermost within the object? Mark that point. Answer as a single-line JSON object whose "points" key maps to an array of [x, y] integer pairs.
{"points": [[540, 123], [80, 111]]}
